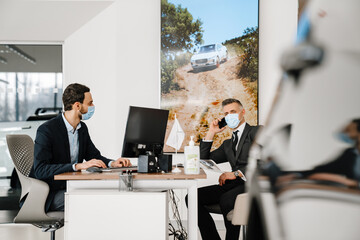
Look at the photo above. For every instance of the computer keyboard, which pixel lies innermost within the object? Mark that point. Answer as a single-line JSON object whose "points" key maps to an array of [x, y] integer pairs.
{"points": [[130, 168]]}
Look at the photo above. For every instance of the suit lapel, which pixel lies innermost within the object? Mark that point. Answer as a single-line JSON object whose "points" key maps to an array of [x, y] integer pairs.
{"points": [[81, 147], [65, 137], [229, 152], [242, 139]]}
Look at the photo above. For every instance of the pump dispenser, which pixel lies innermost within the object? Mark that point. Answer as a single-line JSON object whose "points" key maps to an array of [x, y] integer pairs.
{"points": [[192, 158]]}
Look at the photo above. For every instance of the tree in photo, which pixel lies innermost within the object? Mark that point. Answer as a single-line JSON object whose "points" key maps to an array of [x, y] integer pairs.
{"points": [[179, 32], [250, 43], [247, 47]]}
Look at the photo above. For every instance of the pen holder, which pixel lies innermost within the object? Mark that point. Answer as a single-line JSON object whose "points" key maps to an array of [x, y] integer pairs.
{"points": [[125, 182]]}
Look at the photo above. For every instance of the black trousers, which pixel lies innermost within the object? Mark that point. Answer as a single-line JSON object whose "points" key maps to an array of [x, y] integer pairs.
{"points": [[58, 202], [225, 196]]}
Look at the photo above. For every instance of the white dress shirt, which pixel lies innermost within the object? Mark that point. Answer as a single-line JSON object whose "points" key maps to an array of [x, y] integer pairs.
{"points": [[73, 141], [240, 130], [73, 136]]}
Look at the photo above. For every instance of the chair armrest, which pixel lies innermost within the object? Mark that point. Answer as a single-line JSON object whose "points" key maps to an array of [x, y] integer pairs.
{"points": [[25, 184]]}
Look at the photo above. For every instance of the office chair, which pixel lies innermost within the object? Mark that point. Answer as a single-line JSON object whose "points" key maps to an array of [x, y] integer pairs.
{"points": [[319, 210], [237, 216], [21, 148]]}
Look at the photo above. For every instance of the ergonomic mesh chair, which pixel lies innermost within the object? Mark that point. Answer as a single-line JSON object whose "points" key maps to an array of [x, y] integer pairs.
{"points": [[21, 148], [237, 216]]}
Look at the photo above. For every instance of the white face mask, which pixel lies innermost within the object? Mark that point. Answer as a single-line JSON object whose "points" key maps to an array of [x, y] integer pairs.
{"points": [[89, 114], [232, 120]]}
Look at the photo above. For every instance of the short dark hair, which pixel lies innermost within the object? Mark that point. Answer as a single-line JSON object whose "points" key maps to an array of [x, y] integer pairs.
{"points": [[357, 122], [229, 101], [73, 93]]}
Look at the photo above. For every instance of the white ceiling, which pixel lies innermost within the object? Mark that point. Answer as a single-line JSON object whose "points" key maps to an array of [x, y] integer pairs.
{"points": [[45, 20]]}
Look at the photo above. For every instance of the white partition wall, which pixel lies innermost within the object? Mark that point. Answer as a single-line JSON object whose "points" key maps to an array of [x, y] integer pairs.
{"points": [[277, 31], [116, 54], [111, 214]]}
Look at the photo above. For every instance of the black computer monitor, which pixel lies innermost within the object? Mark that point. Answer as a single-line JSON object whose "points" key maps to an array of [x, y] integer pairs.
{"points": [[145, 131]]}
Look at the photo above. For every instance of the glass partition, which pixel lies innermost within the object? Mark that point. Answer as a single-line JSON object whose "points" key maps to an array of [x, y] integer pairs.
{"points": [[21, 94], [30, 87]]}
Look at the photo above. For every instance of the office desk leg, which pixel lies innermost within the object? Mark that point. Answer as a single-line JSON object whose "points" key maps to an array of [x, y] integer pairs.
{"points": [[192, 212]]}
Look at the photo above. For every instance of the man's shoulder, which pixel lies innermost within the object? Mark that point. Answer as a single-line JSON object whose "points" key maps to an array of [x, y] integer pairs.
{"points": [[253, 128], [51, 124], [83, 126], [226, 142]]}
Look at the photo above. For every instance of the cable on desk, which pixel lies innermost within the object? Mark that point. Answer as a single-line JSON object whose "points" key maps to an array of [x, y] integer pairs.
{"points": [[180, 234]]}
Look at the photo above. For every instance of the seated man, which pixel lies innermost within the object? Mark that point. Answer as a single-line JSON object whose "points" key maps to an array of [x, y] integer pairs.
{"points": [[63, 142], [235, 151]]}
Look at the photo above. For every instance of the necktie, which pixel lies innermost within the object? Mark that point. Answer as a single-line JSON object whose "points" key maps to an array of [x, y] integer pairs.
{"points": [[235, 139]]}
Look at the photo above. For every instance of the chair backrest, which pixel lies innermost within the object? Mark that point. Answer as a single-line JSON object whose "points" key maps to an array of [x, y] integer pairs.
{"points": [[21, 149]]}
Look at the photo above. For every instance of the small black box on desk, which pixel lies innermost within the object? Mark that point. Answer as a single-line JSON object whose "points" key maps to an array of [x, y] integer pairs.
{"points": [[146, 164], [165, 162]]}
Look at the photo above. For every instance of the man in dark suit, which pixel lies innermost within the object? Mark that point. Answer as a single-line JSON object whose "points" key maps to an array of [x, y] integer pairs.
{"points": [[235, 151], [63, 142]]}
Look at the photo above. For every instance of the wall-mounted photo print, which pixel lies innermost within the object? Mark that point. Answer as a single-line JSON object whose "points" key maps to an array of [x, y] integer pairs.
{"points": [[209, 52]]}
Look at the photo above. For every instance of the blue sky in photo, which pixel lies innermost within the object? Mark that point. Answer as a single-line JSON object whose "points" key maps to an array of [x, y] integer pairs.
{"points": [[222, 19]]}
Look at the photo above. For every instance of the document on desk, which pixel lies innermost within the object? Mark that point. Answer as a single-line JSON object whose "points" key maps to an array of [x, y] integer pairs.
{"points": [[208, 164]]}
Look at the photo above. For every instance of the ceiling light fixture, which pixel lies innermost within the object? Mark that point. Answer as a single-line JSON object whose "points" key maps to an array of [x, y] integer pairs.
{"points": [[3, 60], [21, 53]]}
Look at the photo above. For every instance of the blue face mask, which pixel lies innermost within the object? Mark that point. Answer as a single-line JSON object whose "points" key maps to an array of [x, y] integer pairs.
{"points": [[90, 112], [345, 138], [232, 120]]}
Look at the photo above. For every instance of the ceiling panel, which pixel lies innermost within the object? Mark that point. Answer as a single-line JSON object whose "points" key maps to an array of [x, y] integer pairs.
{"points": [[19, 58]]}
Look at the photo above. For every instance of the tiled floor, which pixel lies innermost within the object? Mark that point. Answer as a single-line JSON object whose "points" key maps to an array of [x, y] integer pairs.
{"points": [[25, 231], [29, 232]]}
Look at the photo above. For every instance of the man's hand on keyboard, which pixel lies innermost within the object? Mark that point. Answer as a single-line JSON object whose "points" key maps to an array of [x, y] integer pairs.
{"points": [[121, 162], [90, 163]]}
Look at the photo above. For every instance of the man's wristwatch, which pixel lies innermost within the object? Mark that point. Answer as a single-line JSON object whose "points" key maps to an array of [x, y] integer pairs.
{"points": [[237, 173]]}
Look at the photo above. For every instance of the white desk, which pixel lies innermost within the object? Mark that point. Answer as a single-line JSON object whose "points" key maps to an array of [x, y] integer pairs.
{"points": [[80, 181]]}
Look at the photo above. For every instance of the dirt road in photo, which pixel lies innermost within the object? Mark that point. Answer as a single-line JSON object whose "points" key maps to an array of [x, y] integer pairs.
{"points": [[198, 102]]}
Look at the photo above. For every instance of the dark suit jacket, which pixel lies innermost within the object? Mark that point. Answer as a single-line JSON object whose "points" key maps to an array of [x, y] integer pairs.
{"points": [[344, 164], [225, 153], [52, 153]]}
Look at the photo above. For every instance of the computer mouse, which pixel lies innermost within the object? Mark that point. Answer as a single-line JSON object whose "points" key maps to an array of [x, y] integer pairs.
{"points": [[94, 169]]}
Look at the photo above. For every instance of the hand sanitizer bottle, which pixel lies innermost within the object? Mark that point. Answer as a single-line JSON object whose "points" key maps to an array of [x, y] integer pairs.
{"points": [[192, 158]]}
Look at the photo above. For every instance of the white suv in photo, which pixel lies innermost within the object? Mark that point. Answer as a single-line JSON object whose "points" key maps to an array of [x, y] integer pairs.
{"points": [[209, 55]]}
